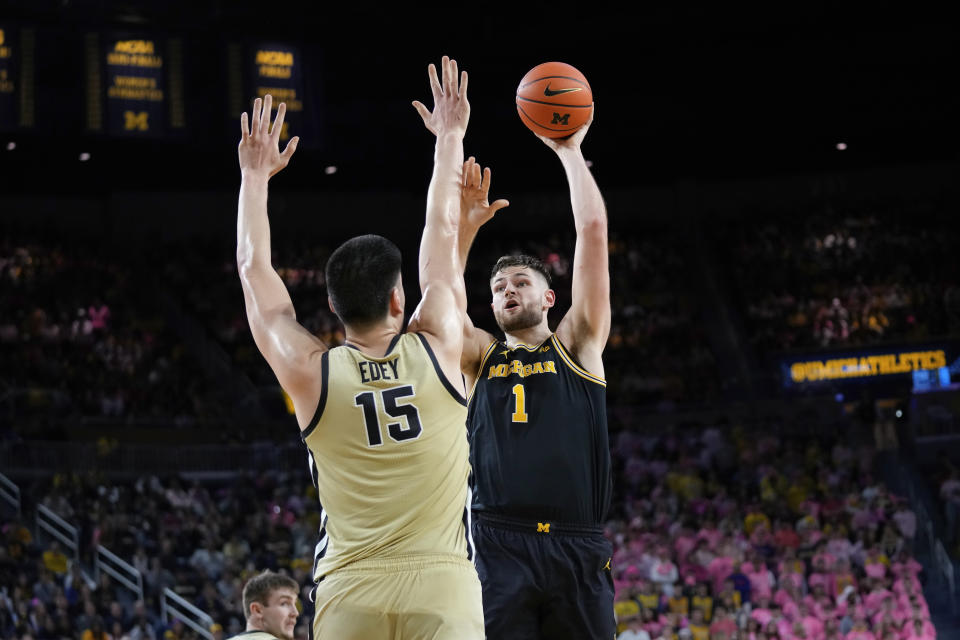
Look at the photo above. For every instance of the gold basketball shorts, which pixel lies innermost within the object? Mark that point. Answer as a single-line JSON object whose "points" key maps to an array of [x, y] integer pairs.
{"points": [[415, 598]]}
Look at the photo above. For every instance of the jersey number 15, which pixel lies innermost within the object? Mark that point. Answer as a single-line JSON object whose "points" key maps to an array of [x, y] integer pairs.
{"points": [[388, 399]]}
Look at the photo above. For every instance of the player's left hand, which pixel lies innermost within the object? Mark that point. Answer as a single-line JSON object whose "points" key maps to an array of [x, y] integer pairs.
{"points": [[572, 141], [475, 206], [259, 148], [451, 110]]}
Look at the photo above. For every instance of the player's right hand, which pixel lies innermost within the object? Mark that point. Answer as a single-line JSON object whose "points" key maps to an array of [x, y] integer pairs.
{"points": [[451, 110], [259, 148], [572, 141], [475, 206]]}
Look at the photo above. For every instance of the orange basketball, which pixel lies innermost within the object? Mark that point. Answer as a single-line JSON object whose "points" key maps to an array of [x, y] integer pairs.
{"points": [[554, 99]]}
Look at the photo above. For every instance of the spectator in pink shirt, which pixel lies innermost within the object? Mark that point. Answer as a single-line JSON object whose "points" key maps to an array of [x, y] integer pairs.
{"points": [[823, 561], [873, 602], [761, 580], [702, 556], [780, 622], [719, 568], [842, 578], [886, 622], [788, 592], [918, 607], [831, 629], [875, 562], [817, 598], [859, 631], [918, 630], [684, 543], [905, 566], [710, 533], [811, 623], [888, 607], [762, 611], [99, 314], [839, 546]]}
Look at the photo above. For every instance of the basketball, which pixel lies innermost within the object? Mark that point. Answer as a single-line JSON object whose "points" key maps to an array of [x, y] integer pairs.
{"points": [[554, 99]]}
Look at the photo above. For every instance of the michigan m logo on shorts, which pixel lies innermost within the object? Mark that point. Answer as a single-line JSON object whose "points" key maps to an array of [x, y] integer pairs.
{"points": [[543, 527]]}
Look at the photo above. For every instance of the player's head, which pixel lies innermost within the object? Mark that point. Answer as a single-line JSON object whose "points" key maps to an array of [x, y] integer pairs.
{"points": [[270, 604], [363, 281], [521, 292]]}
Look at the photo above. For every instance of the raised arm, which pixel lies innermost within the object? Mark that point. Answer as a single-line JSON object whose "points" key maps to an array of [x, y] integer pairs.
{"points": [[291, 351], [586, 326], [439, 316], [475, 211]]}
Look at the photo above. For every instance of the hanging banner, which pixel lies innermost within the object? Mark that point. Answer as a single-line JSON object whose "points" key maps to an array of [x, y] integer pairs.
{"points": [[134, 83], [8, 79], [278, 70]]}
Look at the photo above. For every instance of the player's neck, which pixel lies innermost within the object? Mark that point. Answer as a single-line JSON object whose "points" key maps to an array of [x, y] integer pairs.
{"points": [[530, 337], [373, 341]]}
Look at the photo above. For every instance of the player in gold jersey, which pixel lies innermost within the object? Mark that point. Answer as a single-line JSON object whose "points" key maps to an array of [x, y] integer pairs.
{"points": [[383, 417]]}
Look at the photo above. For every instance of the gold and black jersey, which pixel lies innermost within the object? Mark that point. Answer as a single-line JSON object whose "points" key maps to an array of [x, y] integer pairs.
{"points": [[538, 436], [389, 456]]}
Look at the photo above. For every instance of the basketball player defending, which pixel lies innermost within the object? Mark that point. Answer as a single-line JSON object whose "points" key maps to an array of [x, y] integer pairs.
{"points": [[538, 428], [382, 416]]}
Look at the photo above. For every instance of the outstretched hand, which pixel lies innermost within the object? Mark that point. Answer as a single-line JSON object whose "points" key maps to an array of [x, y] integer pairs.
{"points": [[475, 207], [259, 148], [572, 141], [451, 110]]}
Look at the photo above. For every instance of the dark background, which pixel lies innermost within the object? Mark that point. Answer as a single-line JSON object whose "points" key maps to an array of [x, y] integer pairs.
{"points": [[691, 93]]}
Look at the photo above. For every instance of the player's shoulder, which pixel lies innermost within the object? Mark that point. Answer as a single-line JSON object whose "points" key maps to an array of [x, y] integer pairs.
{"points": [[574, 361], [415, 342]]}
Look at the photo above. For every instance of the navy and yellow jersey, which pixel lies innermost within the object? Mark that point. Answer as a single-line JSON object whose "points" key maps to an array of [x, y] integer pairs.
{"points": [[538, 436], [389, 457]]}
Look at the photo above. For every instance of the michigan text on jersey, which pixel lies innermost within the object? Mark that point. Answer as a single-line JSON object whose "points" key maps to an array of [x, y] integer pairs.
{"points": [[522, 370]]}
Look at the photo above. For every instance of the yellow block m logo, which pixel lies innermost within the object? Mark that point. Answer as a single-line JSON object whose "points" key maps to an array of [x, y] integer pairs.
{"points": [[135, 121], [543, 527]]}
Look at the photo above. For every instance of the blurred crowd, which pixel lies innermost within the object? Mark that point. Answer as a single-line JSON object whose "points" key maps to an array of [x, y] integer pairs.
{"points": [[749, 536], [92, 336], [84, 335], [846, 275], [201, 541], [717, 536]]}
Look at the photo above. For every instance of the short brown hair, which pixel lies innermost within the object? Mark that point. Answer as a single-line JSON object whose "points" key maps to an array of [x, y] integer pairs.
{"points": [[259, 588], [522, 260]]}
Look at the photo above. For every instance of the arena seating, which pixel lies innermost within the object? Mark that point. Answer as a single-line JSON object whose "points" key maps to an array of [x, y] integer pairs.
{"points": [[763, 534]]}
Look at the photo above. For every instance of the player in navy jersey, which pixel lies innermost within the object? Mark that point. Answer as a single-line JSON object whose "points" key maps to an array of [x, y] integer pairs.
{"points": [[538, 428]]}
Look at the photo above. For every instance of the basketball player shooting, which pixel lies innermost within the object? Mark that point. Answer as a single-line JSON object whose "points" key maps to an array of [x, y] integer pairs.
{"points": [[382, 416], [538, 428]]}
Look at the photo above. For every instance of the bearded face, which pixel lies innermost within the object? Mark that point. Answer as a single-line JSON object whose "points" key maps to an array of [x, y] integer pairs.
{"points": [[520, 299], [517, 317]]}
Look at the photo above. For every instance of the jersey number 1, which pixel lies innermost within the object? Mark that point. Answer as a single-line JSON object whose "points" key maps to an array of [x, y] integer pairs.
{"points": [[519, 404], [368, 402]]}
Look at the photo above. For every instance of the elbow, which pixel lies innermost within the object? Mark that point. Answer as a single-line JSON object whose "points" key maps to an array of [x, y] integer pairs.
{"points": [[593, 226], [244, 267], [245, 257]]}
